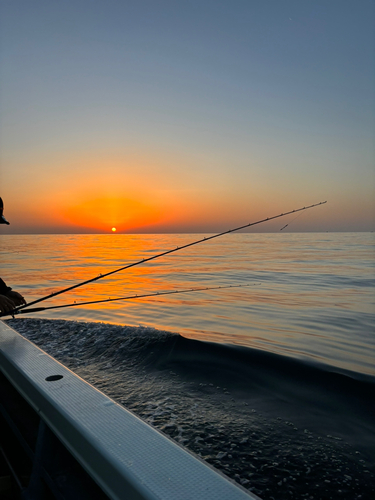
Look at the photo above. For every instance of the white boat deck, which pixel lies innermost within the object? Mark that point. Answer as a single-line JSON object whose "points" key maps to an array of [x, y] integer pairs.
{"points": [[126, 457]]}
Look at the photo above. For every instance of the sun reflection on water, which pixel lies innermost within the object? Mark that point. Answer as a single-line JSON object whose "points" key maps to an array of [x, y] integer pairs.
{"points": [[308, 298]]}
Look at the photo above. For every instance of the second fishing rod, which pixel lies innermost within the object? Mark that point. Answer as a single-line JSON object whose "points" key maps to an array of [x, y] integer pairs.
{"points": [[129, 297], [167, 252]]}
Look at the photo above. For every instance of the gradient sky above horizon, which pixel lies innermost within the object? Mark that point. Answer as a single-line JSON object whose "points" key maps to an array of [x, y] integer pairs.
{"points": [[187, 116]]}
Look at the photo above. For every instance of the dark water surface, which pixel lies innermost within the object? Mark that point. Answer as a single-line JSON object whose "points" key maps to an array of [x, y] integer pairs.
{"points": [[282, 427], [272, 384]]}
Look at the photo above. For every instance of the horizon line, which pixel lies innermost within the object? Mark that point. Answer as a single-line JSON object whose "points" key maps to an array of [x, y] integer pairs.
{"points": [[188, 232]]}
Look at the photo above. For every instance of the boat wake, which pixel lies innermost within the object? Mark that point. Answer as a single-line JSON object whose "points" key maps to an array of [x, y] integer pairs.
{"points": [[282, 427]]}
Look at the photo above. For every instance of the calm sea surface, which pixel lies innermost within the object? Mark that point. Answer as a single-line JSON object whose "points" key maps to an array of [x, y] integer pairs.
{"points": [[273, 384], [311, 295]]}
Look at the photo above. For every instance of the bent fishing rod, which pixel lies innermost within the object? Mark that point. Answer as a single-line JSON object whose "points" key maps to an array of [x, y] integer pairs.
{"points": [[166, 253], [129, 297]]}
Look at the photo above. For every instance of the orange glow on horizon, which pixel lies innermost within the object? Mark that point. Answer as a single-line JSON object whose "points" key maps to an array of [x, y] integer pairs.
{"points": [[138, 193], [127, 213]]}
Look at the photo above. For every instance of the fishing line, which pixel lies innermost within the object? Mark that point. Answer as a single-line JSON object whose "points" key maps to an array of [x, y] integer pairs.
{"points": [[286, 225], [157, 294], [165, 253]]}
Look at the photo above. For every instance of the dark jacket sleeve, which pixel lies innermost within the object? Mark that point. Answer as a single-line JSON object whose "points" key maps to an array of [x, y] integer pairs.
{"points": [[3, 288]]}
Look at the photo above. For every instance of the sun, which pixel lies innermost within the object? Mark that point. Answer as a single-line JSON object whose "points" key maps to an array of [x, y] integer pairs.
{"points": [[114, 229]]}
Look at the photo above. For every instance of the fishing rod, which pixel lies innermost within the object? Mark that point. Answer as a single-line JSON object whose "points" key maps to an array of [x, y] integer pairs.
{"points": [[75, 304], [166, 253]]}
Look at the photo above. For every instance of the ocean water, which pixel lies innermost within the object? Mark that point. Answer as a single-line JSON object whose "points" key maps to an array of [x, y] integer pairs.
{"points": [[272, 383]]}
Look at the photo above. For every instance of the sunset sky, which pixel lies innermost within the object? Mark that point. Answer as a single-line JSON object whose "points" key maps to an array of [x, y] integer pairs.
{"points": [[186, 116]]}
